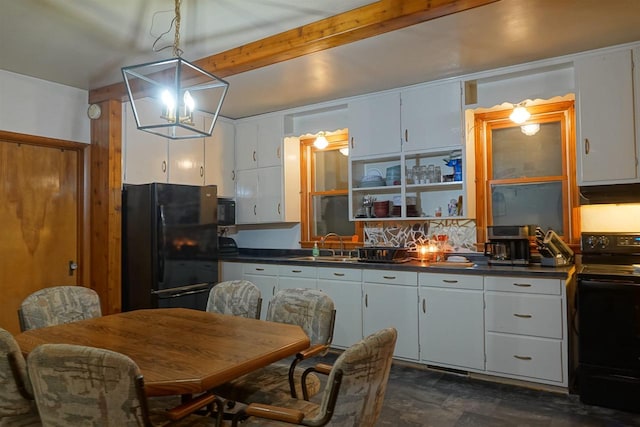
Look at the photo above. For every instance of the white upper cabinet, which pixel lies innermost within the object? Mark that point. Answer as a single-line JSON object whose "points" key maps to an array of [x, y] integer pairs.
{"points": [[145, 156], [246, 145], [431, 117], [270, 140], [374, 125], [186, 161], [259, 142], [606, 138], [219, 158]]}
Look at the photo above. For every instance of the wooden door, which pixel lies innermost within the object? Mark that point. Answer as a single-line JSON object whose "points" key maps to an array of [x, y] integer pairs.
{"points": [[39, 209]]}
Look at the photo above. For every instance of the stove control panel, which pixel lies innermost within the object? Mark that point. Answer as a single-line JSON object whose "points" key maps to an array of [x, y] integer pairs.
{"points": [[625, 243]]}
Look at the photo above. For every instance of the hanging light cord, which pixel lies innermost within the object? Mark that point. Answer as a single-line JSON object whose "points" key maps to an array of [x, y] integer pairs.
{"points": [[177, 52]]}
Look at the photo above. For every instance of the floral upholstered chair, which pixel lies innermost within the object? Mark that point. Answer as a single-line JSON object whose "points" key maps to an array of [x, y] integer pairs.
{"points": [[57, 305], [235, 297], [353, 395], [77, 385], [17, 407], [314, 311]]}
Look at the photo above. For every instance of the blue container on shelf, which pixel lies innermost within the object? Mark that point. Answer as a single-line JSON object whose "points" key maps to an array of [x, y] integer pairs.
{"points": [[456, 164]]}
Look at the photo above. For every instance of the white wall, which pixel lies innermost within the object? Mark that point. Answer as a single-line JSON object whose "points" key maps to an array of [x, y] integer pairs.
{"points": [[38, 107]]}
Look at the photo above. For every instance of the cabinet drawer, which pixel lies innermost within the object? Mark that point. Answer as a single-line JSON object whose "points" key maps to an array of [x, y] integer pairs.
{"points": [[298, 271], [525, 356], [539, 315], [528, 285], [406, 278], [264, 269], [454, 281], [342, 274]]}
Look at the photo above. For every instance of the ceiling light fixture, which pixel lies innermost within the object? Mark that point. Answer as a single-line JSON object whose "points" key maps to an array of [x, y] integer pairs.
{"points": [[321, 141], [519, 114], [530, 129], [174, 98]]}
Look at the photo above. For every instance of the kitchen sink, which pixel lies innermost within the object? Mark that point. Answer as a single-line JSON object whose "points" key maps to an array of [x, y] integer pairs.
{"points": [[325, 258]]}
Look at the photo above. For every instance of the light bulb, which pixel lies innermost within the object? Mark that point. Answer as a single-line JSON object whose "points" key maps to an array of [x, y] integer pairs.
{"points": [[530, 129], [519, 115], [321, 142], [189, 103]]}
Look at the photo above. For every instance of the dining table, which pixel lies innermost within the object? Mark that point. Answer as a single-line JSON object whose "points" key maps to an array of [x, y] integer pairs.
{"points": [[179, 351]]}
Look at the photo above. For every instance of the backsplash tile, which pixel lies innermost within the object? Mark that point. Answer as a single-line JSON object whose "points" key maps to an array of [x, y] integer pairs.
{"points": [[410, 234]]}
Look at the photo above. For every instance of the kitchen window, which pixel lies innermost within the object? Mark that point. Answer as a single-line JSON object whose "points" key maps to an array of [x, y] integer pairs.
{"points": [[527, 177], [325, 190]]}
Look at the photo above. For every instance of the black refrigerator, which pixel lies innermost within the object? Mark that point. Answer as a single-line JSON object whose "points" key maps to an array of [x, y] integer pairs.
{"points": [[169, 245]]}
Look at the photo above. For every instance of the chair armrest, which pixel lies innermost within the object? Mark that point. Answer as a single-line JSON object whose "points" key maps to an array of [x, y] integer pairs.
{"points": [[190, 407], [274, 413], [312, 351], [323, 368]]}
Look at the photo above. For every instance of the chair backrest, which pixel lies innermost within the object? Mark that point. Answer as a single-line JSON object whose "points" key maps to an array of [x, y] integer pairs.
{"points": [[57, 305], [79, 385], [312, 310], [235, 297], [365, 370], [15, 387]]}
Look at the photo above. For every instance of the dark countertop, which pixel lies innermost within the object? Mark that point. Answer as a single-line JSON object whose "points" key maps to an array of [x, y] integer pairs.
{"points": [[283, 257]]}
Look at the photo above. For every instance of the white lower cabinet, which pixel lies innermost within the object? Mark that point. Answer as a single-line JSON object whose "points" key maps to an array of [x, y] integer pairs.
{"points": [[344, 286], [265, 277], [526, 329], [390, 299], [293, 276], [230, 271], [451, 320]]}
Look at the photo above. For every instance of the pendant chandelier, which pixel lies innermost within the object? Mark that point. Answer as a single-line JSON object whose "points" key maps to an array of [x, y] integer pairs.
{"points": [[174, 98]]}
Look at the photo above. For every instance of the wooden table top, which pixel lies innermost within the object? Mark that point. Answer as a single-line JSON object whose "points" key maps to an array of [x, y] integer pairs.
{"points": [[178, 350]]}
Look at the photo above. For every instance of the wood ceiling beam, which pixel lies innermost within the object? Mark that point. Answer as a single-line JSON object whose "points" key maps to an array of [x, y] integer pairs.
{"points": [[367, 21]]}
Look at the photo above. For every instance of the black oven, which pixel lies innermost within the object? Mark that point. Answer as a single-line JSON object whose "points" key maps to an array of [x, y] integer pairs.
{"points": [[608, 296]]}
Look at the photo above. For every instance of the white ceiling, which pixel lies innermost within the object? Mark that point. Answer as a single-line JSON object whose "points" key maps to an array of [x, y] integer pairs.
{"points": [[85, 43]]}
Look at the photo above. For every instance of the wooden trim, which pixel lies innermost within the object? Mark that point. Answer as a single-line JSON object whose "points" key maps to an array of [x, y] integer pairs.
{"points": [[84, 225], [106, 205], [367, 21]]}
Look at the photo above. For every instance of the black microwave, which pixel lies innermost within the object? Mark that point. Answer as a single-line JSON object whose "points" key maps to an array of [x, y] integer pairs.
{"points": [[226, 212]]}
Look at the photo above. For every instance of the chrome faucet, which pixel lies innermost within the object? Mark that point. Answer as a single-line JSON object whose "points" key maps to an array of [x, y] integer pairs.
{"points": [[324, 238]]}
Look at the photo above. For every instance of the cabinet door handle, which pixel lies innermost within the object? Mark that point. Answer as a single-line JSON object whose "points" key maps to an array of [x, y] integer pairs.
{"points": [[278, 152], [273, 290], [296, 271], [406, 135], [164, 166], [259, 269], [254, 155], [522, 285], [522, 357], [201, 171], [424, 305], [389, 277], [279, 209], [351, 142], [366, 300], [254, 210], [338, 274], [449, 281], [233, 175], [523, 316], [587, 146]]}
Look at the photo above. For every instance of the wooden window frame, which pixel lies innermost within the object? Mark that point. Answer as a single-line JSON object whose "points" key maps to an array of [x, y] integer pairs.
{"points": [[307, 191], [564, 112]]}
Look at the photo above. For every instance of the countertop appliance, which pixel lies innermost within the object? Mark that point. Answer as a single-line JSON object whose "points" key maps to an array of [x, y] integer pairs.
{"points": [[508, 244], [608, 312], [554, 252], [169, 245]]}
